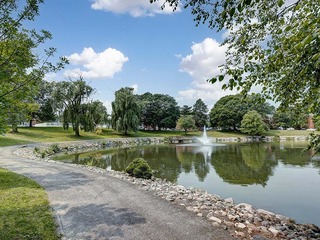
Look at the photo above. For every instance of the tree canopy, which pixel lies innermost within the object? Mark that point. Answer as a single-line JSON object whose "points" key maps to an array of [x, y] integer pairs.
{"points": [[274, 44], [72, 95], [252, 123], [200, 113], [186, 122], [21, 70], [125, 111], [228, 111], [158, 110]]}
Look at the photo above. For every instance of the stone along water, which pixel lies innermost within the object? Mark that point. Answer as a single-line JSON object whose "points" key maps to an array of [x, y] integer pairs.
{"points": [[273, 176]]}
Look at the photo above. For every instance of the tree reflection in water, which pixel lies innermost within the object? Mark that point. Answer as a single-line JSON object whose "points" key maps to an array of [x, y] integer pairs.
{"points": [[242, 164]]}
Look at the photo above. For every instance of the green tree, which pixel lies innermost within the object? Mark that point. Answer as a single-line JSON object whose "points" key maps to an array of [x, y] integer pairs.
{"points": [[21, 70], [20, 112], [275, 44], [72, 95], [228, 111], [252, 123], [158, 110], [93, 114], [125, 111], [200, 113], [45, 100], [185, 110], [291, 117], [186, 122]]}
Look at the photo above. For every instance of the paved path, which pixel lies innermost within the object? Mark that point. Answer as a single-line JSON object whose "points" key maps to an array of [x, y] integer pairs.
{"points": [[90, 205]]}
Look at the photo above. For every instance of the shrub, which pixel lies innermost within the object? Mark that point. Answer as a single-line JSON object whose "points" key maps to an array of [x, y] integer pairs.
{"points": [[43, 154], [55, 148], [36, 150], [139, 168]]}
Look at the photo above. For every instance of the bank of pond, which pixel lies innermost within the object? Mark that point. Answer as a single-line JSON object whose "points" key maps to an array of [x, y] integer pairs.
{"points": [[275, 176]]}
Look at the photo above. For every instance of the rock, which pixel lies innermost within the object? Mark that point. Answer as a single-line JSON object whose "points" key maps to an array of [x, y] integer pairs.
{"points": [[215, 224], [258, 237], [265, 212], [257, 220], [240, 225], [209, 215], [245, 206], [274, 231], [229, 224], [240, 234], [229, 200], [232, 217], [215, 219], [252, 228]]}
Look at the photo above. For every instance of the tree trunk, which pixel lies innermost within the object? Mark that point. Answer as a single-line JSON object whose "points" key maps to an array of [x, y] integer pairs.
{"points": [[14, 128], [77, 129], [30, 123]]}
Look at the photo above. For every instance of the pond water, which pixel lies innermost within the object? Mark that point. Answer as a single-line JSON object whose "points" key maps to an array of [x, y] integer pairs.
{"points": [[274, 176]]}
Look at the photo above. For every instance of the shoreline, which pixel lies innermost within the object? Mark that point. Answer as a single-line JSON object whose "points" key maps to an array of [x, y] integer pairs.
{"points": [[242, 220]]}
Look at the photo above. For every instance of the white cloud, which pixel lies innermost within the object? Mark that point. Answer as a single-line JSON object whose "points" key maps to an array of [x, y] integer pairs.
{"points": [[97, 65], [135, 88], [135, 8], [51, 76], [108, 105], [202, 64]]}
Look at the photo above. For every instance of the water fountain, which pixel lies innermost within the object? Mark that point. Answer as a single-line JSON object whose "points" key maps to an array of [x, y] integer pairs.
{"points": [[203, 145], [204, 139]]}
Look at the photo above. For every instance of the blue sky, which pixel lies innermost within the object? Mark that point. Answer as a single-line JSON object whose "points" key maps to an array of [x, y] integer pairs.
{"points": [[120, 43]]}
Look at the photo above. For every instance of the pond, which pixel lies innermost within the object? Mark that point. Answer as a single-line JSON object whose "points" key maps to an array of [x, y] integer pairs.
{"points": [[274, 176]]}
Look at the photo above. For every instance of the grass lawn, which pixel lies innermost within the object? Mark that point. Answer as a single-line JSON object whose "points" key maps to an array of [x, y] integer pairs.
{"points": [[58, 134], [25, 212]]}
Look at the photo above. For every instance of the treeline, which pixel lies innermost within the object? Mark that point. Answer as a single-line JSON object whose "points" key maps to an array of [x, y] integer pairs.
{"points": [[70, 103]]}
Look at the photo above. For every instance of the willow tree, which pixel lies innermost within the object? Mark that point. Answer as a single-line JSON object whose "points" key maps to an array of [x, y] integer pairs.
{"points": [[125, 111], [93, 114], [72, 95]]}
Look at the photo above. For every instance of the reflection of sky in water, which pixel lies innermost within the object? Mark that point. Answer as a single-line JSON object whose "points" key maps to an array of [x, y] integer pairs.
{"points": [[206, 149], [292, 188]]}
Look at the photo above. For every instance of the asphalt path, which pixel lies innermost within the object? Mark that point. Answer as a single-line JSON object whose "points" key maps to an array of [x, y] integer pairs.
{"points": [[90, 205]]}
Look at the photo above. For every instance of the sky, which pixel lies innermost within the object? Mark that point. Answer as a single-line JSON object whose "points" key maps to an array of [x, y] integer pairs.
{"points": [[132, 43]]}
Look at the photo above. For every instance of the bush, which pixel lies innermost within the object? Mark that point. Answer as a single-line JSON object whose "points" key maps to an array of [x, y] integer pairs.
{"points": [[36, 150], [139, 168]]}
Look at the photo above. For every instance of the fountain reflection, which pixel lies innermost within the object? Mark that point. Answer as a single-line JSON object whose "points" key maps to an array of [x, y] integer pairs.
{"points": [[240, 164]]}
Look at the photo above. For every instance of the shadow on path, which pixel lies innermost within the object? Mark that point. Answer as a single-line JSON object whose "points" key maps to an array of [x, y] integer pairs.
{"points": [[101, 220]]}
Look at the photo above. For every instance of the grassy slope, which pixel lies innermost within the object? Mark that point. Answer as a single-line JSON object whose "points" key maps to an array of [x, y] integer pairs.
{"points": [[25, 212]]}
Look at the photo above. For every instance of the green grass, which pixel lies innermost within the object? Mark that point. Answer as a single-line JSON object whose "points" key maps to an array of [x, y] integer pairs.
{"points": [[8, 141], [58, 134], [289, 133], [24, 211]]}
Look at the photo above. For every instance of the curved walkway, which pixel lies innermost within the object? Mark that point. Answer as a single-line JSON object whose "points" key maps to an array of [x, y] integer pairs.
{"points": [[91, 205]]}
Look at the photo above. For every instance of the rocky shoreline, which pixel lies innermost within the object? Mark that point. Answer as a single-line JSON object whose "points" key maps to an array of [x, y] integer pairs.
{"points": [[242, 220]]}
